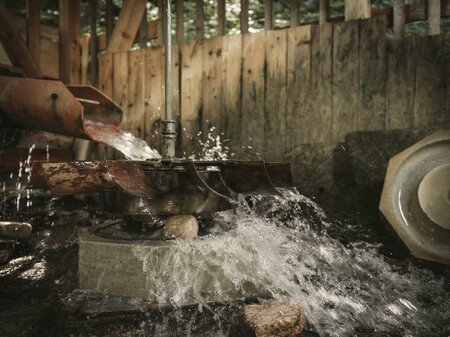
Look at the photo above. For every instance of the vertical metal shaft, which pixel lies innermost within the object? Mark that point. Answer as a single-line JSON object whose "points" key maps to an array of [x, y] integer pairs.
{"points": [[169, 134]]}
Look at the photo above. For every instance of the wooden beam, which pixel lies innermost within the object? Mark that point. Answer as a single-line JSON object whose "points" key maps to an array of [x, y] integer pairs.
{"points": [[434, 17], [109, 18], [180, 21], [69, 41], [199, 20], [221, 19], [244, 16], [399, 19], [127, 25], [357, 9], [295, 13], [268, 15], [324, 11], [34, 29], [15, 46], [85, 57], [94, 41]]}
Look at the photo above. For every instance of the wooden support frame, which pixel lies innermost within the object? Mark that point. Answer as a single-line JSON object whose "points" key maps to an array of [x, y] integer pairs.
{"points": [[221, 19], [109, 18], [324, 11], [399, 17], [34, 29], [357, 9], [244, 16], [434, 17], [199, 20], [15, 46], [268, 15], [127, 25], [295, 13], [69, 41], [94, 41]]}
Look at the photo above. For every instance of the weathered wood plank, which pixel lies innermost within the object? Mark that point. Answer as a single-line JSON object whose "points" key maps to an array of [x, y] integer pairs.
{"points": [[231, 89], [127, 25], [85, 57], [105, 78], [154, 95], [357, 9], [94, 40], [136, 93], [275, 98], [319, 117], [34, 28], [69, 42], [345, 79], [120, 82], [400, 85], [298, 75], [372, 75], [253, 91], [399, 16], [191, 96], [212, 83], [434, 17], [324, 11], [430, 91]]}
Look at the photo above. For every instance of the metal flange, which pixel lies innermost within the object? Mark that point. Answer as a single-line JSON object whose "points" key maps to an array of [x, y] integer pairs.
{"points": [[416, 197]]}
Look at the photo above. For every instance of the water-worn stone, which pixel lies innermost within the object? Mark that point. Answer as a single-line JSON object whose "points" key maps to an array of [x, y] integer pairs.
{"points": [[15, 230], [180, 227], [272, 319]]}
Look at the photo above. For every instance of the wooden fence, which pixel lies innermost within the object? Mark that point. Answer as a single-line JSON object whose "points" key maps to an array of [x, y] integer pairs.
{"points": [[279, 89]]}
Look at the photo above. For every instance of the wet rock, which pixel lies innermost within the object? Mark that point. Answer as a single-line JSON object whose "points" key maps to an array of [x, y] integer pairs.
{"points": [[15, 230], [180, 227], [274, 319]]}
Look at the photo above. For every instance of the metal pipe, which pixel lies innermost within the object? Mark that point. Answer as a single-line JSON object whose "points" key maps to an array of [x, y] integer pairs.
{"points": [[169, 134]]}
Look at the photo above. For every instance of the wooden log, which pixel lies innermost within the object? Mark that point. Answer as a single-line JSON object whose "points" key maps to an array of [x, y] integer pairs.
{"points": [[213, 67], [324, 11], [34, 29], [94, 41], [345, 79], [430, 79], [274, 319], [295, 13], [15, 46], [275, 97], [399, 19], [298, 76], [231, 90], [109, 18], [244, 16], [180, 21], [268, 14], [372, 75], [357, 9], [253, 91], [199, 20], [400, 85], [221, 18], [434, 17], [318, 119], [191, 97], [127, 25], [105, 78], [85, 39], [69, 41], [136, 93]]}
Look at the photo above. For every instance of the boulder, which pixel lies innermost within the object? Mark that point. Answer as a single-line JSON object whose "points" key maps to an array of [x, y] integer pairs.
{"points": [[180, 227]]}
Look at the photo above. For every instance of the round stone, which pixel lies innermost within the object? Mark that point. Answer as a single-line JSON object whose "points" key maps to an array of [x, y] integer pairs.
{"points": [[180, 227]]}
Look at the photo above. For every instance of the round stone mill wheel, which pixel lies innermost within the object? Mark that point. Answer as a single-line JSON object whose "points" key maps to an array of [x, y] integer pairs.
{"points": [[416, 197]]}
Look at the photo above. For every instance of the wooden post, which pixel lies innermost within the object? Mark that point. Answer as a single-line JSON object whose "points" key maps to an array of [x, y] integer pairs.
{"points": [[434, 17], [399, 19], [357, 9], [295, 13], [161, 28], [34, 29], [85, 57], [324, 11], [180, 21], [268, 15], [109, 19], [199, 19], [15, 46], [69, 41], [221, 20], [93, 40], [244, 16]]}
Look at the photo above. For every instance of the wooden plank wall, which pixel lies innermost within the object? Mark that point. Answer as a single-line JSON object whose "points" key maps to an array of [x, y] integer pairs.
{"points": [[271, 92]]}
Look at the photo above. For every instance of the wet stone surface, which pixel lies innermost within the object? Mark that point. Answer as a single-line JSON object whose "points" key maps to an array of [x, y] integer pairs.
{"points": [[351, 277]]}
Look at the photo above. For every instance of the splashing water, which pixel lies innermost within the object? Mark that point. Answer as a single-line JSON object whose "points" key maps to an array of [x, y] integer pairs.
{"points": [[213, 148], [347, 290], [132, 147]]}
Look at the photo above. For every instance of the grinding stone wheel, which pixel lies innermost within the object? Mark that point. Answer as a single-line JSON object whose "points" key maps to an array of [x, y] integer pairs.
{"points": [[416, 197]]}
